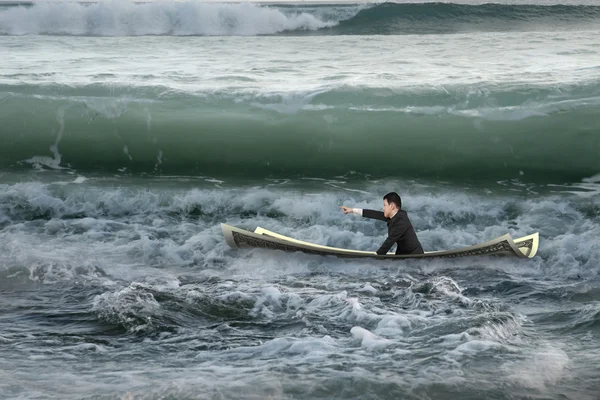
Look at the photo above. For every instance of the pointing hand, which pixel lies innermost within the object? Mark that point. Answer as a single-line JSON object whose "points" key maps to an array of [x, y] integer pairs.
{"points": [[346, 210]]}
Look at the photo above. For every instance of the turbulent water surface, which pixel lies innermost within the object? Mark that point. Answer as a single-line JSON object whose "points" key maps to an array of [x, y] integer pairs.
{"points": [[129, 132]]}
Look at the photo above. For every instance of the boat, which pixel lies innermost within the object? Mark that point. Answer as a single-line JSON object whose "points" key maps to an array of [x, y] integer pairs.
{"points": [[523, 247]]}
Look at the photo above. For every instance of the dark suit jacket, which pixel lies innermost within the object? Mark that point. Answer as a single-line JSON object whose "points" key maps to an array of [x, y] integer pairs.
{"points": [[400, 231]]}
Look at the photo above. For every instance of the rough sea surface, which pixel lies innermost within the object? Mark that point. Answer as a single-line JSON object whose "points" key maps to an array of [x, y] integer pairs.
{"points": [[130, 132]]}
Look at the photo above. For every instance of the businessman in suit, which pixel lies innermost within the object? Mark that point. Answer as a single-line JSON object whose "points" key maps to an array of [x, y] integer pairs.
{"points": [[400, 230]]}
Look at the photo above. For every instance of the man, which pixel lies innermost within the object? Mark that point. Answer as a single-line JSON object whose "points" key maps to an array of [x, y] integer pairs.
{"points": [[400, 230]]}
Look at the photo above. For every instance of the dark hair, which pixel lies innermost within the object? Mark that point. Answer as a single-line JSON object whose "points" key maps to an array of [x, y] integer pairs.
{"points": [[393, 197]]}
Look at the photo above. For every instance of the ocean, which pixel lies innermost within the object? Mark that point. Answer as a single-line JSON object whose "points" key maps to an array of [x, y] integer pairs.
{"points": [[130, 131]]}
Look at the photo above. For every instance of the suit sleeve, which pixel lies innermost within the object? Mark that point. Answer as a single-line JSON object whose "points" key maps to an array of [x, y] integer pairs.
{"points": [[374, 215], [396, 233]]}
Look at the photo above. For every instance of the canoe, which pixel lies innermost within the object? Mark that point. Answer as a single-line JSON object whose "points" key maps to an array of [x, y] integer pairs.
{"points": [[523, 247]]}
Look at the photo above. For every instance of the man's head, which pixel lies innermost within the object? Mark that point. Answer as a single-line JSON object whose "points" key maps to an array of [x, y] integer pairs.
{"points": [[391, 204]]}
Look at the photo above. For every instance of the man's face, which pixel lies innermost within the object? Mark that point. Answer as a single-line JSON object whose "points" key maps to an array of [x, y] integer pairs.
{"points": [[388, 209]]}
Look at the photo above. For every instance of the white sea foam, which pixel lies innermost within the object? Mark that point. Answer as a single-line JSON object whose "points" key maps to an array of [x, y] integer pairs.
{"points": [[368, 339], [539, 370]]}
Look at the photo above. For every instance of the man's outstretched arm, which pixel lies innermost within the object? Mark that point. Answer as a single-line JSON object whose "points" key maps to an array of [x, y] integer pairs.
{"points": [[364, 213]]}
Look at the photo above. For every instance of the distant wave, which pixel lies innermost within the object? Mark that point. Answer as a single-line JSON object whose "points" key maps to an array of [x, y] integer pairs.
{"points": [[420, 18], [117, 18]]}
